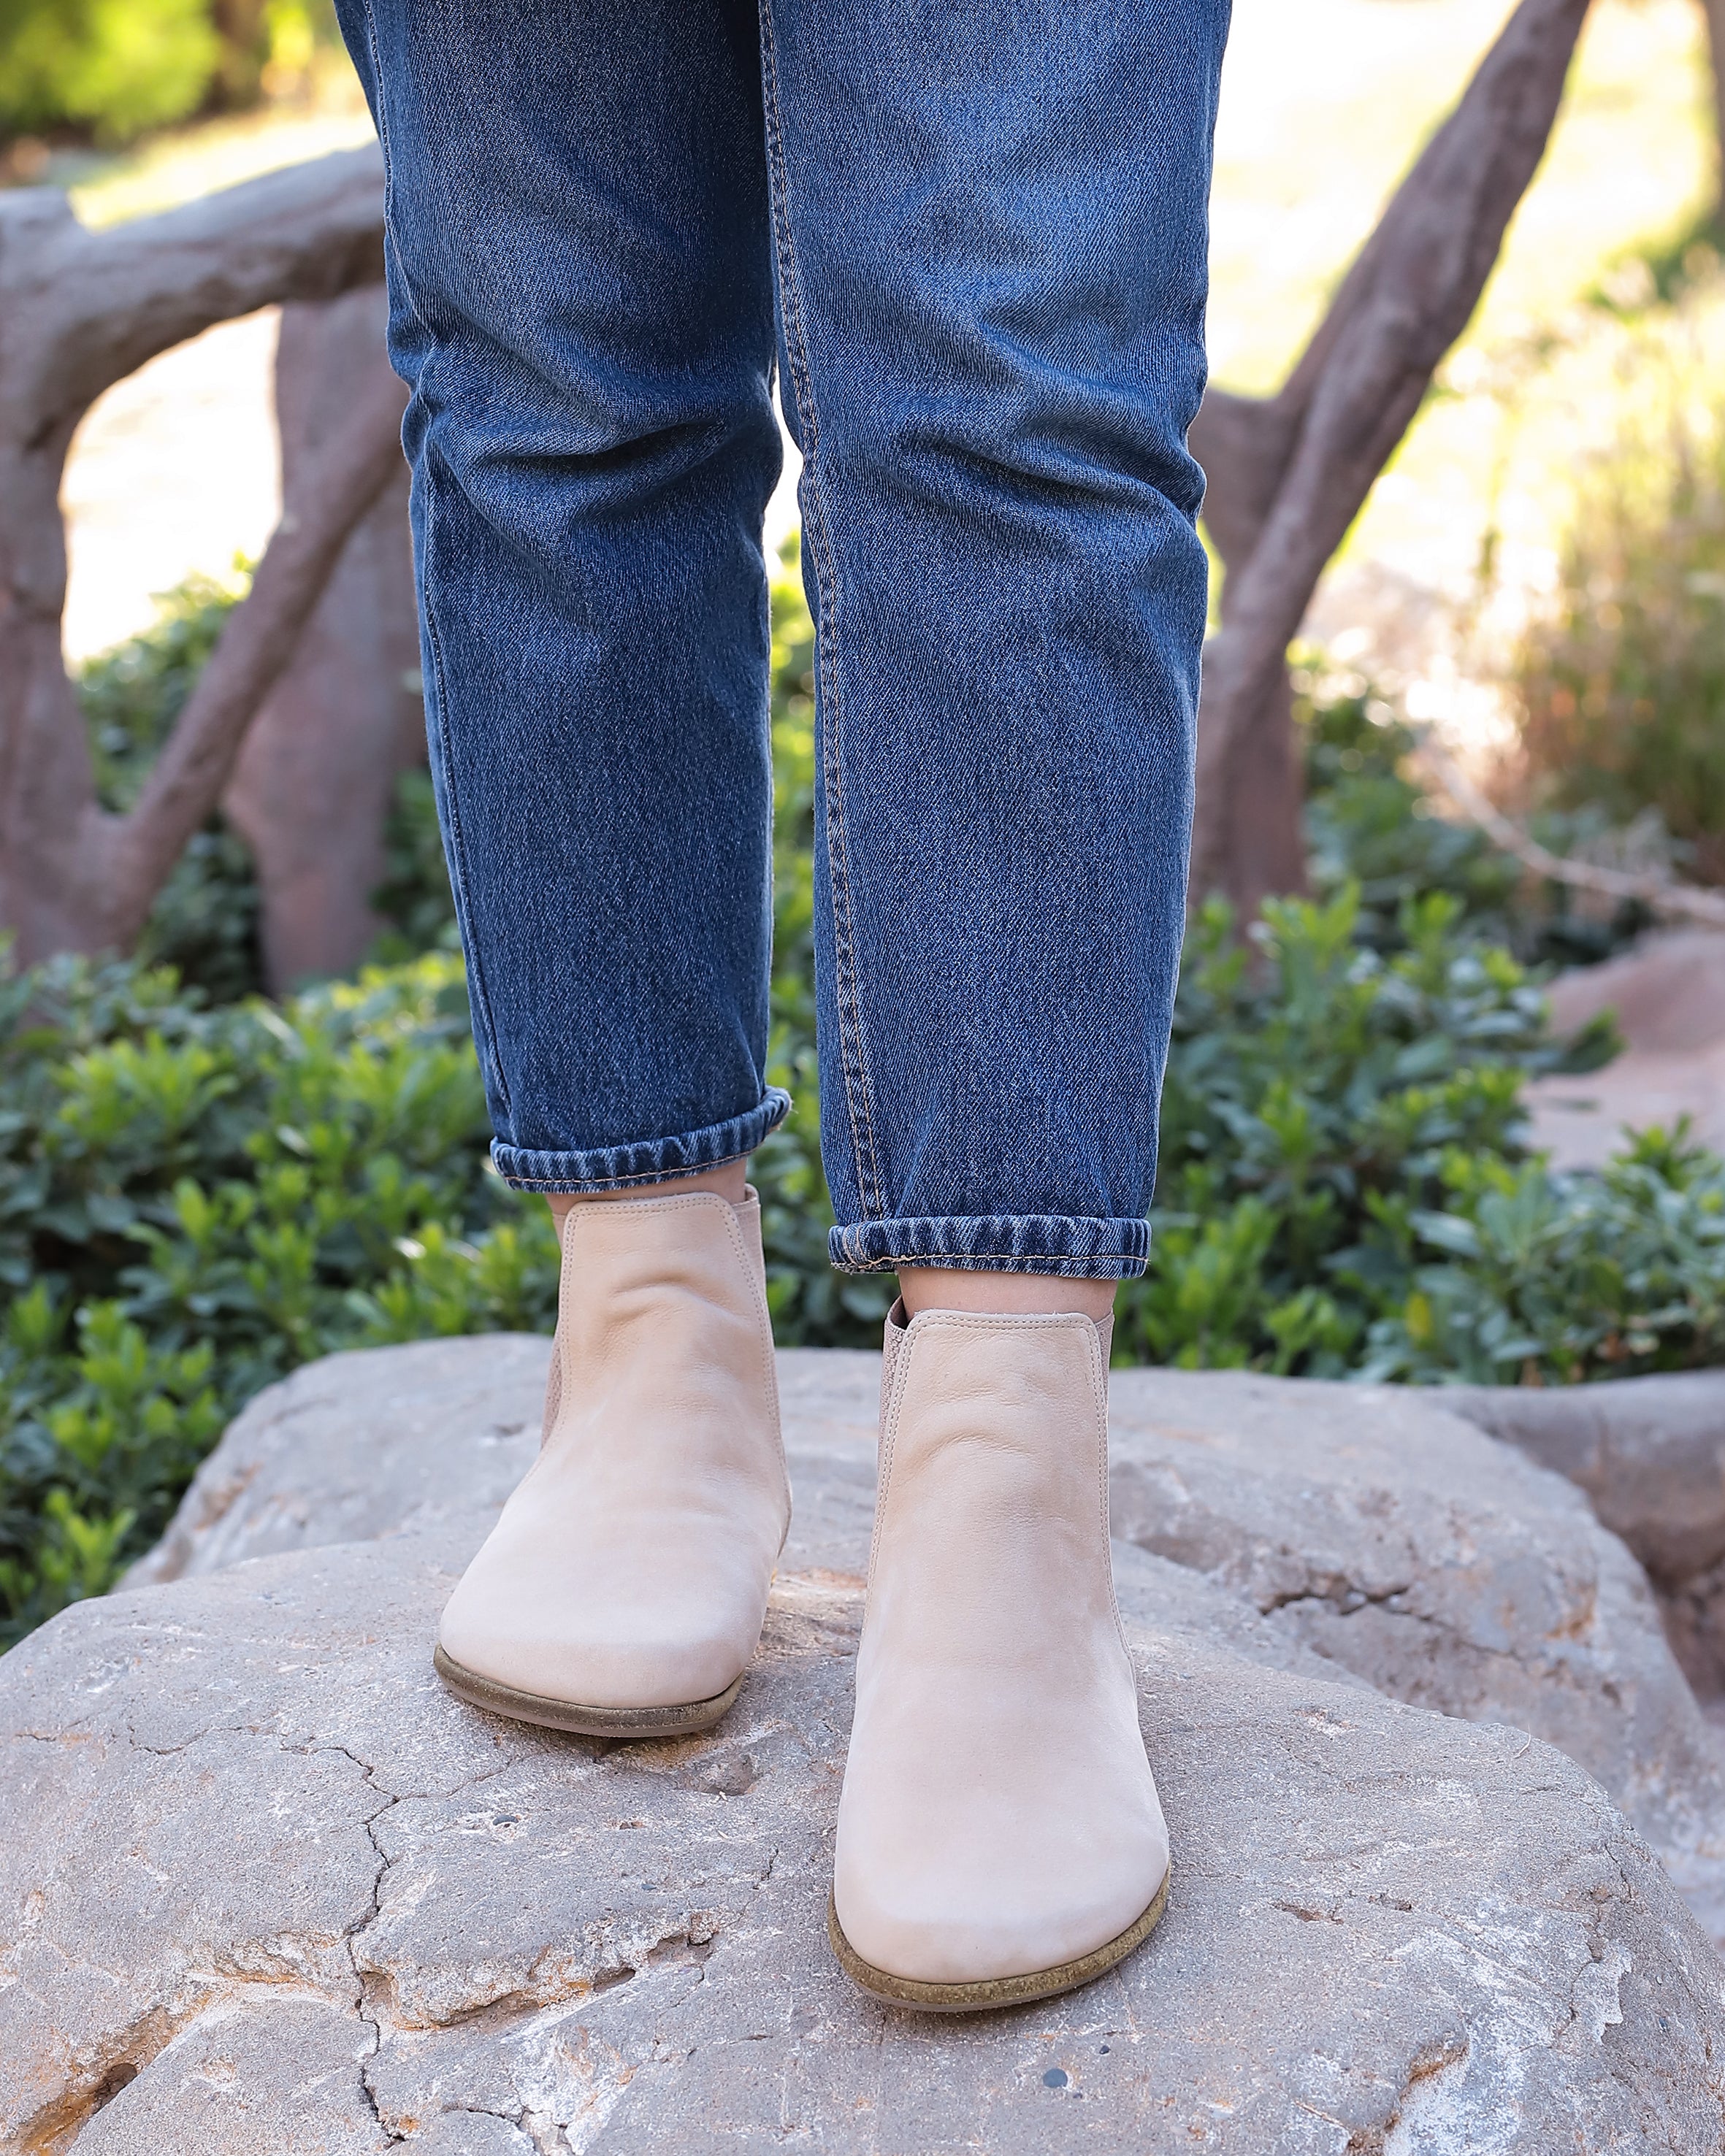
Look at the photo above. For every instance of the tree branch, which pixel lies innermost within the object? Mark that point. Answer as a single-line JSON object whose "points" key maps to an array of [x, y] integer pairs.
{"points": [[1346, 404], [1657, 892], [339, 487], [106, 301]]}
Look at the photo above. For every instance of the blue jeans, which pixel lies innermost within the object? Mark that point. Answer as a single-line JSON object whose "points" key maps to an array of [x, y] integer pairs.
{"points": [[970, 235]]}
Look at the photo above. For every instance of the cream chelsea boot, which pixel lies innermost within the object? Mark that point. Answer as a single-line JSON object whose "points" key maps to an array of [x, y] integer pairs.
{"points": [[621, 1593], [999, 1834]]}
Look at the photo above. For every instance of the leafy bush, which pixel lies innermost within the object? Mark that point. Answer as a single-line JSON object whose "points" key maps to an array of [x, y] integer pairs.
{"points": [[111, 67], [1344, 1185], [197, 1192], [109, 70], [192, 1200], [1554, 1278], [205, 921]]}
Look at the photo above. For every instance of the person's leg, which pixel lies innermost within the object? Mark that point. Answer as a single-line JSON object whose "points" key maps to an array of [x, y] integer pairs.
{"points": [[581, 301], [582, 304], [991, 230]]}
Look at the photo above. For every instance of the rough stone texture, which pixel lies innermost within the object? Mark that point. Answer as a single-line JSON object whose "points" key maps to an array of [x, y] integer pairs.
{"points": [[1361, 1525], [1650, 1452], [1444, 1568], [266, 1889], [427, 1439]]}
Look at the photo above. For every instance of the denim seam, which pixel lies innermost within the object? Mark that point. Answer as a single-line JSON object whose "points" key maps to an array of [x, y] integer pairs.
{"points": [[459, 877], [853, 1063], [948, 1262], [458, 865], [557, 1168], [561, 1188], [840, 1236]]}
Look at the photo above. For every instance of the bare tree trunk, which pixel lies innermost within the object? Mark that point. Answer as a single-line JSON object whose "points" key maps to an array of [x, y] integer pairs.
{"points": [[79, 310], [1289, 473], [1714, 10], [313, 783], [243, 27]]}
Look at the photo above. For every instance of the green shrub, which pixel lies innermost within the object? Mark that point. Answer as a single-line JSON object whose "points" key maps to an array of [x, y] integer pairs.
{"points": [[1311, 1103], [1555, 1279], [193, 1200], [205, 922], [109, 70], [110, 67], [197, 1195]]}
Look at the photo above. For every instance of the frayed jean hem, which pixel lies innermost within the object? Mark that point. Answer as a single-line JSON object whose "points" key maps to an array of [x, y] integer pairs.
{"points": [[1067, 1247], [649, 1160]]}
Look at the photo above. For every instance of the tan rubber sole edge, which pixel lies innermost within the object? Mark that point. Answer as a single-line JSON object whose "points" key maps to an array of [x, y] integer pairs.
{"points": [[979, 1997], [619, 1723]]}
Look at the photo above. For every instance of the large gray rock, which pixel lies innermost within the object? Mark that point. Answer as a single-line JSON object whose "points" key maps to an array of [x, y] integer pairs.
{"points": [[1650, 1452], [1442, 1566], [266, 1889], [1364, 1526]]}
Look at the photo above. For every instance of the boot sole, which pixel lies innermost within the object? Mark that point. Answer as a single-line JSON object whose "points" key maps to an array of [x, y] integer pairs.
{"points": [[620, 1723], [990, 1992]]}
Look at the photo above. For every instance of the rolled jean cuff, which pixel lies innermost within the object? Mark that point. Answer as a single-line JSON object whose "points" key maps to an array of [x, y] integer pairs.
{"points": [[649, 1160], [1073, 1249]]}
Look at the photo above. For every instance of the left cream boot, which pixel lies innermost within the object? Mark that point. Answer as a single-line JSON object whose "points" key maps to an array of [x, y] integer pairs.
{"points": [[622, 1592], [999, 1834]]}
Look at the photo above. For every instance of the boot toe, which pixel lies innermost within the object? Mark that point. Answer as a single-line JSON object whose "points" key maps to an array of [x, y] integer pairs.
{"points": [[932, 1923], [630, 1659]]}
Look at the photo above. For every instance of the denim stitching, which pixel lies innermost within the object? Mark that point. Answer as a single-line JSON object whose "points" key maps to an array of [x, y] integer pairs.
{"points": [[890, 1261], [1004, 1260], [559, 1184], [457, 844], [561, 1188], [458, 864], [853, 1062]]}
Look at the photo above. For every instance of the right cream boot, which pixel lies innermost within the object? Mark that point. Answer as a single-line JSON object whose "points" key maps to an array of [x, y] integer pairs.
{"points": [[999, 1834], [621, 1593]]}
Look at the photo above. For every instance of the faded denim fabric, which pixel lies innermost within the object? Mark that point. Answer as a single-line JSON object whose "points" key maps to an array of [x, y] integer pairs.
{"points": [[971, 237]]}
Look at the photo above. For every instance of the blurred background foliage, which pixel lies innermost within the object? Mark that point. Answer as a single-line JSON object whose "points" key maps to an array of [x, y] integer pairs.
{"points": [[1618, 686], [107, 71]]}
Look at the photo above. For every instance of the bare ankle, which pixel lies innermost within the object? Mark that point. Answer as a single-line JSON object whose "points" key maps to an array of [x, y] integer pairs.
{"points": [[730, 1179], [1018, 1295]]}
